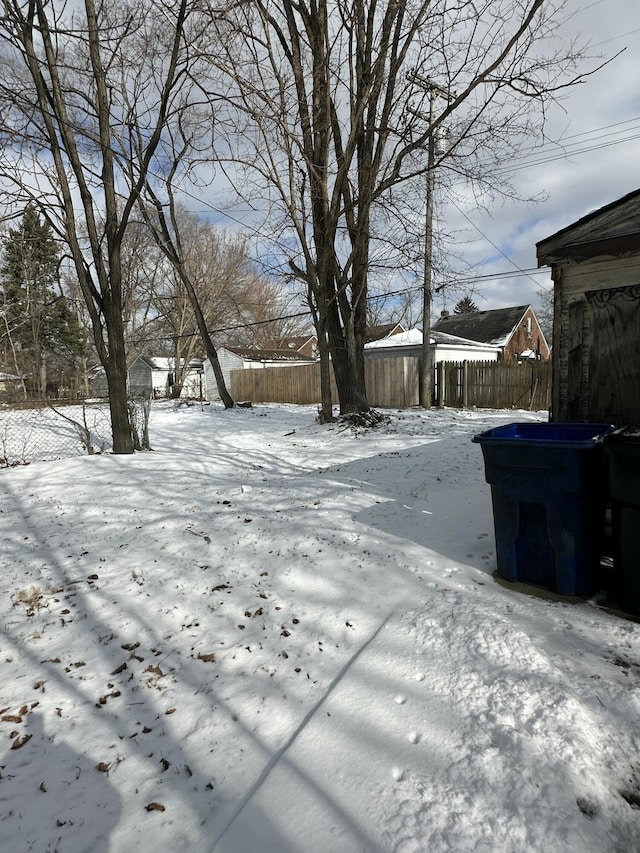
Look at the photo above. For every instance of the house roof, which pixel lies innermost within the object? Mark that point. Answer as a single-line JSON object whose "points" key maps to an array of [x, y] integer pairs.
{"points": [[413, 337], [293, 342], [487, 327], [376, 333], [610, 230], [157, 362], [253, 354]]}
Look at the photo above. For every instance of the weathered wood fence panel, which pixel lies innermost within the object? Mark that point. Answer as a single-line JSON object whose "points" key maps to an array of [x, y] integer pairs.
{"points": [[394, 382], [496, 384], [292, 384]]}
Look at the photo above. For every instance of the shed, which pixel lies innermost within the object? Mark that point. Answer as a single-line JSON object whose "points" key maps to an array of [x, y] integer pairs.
{"points": [[515, 330], [595, 267], [155, 376]]}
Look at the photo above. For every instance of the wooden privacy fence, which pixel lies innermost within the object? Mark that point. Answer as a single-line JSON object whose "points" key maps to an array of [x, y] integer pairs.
{"points": [[494, 384], [394, 382]]}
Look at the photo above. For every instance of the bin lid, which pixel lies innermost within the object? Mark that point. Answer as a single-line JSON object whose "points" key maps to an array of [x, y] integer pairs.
{"points": [[545, 433], [624, 435]]}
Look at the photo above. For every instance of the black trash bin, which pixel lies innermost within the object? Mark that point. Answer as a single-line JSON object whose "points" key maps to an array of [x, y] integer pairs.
{"points": [[549, 494], [622, 450]]}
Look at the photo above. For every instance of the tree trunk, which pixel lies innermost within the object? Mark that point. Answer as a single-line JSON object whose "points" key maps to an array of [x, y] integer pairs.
{"points": [[115, 365], [348, 368], [326, 402], [212, 353]]}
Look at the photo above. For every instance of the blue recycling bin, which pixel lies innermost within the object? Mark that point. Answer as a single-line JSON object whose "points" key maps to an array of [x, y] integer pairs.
{"points": [[549, 493], [622, 452]]}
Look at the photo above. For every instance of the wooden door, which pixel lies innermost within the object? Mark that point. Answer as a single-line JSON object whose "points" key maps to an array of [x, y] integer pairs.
{"points": [[614, 359]]}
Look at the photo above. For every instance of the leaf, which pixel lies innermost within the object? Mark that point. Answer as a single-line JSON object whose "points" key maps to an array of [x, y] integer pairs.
{"points": [[207, 657], [129, 647], [92, 578], [103, 767], [120, 668], [11, 718], [154, 807], [20, 741], [155, 670], [170, 711]]}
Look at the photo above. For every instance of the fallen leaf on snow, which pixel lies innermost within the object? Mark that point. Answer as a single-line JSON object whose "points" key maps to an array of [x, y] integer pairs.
{"points": [[20, 741], [154, 807], [207, 657], [103, 767]]}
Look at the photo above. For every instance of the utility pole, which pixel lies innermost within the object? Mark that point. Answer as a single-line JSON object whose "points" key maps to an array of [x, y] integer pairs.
{"points": [[426, 362]]}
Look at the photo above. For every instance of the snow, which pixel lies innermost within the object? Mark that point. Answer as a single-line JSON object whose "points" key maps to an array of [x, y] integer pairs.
{"points": [[270, 635]]}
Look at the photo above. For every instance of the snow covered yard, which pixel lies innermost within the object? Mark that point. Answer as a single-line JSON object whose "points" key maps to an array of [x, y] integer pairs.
{"points": [[270, 635]]}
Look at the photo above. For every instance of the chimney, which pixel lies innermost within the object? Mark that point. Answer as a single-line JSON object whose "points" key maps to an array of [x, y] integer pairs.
{"points": [[444, 313]]}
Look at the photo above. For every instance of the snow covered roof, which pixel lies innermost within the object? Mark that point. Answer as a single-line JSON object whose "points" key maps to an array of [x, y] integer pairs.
{"points": [[413, 337], [254, 354]]}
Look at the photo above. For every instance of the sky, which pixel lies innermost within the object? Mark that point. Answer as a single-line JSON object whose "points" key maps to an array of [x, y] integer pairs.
{"points": [[592, 158], [277, 636]]}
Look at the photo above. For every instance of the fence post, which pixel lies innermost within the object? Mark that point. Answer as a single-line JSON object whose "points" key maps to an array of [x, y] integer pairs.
{"points": [[441, 384], [465, 384]]}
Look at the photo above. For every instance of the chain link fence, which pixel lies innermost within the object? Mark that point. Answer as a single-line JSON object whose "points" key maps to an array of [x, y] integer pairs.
{"points": [[45, 431]]}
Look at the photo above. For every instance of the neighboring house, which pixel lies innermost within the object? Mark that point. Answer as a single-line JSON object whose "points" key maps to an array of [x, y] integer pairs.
{"points": [[377, 333], [595, 266], [153, 377], [302, 344], [444, 347], [243, 358], [97, 379], [515, 330], [11, 385]]}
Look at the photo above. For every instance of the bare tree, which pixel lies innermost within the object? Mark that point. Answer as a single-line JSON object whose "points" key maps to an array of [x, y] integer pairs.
{"points": [[70, 73], [334, 132]]}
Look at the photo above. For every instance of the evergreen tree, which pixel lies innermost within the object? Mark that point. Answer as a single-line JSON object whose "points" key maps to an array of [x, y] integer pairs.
{"points": [[39, 332], [465, 306]]}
